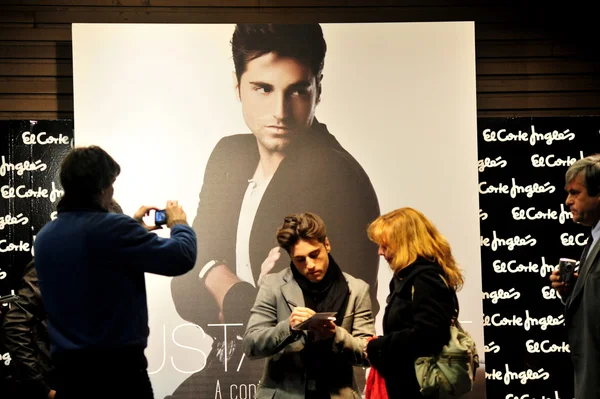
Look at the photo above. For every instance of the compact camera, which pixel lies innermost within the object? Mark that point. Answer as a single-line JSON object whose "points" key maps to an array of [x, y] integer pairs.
{"points": [[160, 217], [566, 269]]}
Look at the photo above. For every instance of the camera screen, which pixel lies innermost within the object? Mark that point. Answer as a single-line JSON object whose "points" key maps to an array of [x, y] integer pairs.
{"points": [[160, 217]]}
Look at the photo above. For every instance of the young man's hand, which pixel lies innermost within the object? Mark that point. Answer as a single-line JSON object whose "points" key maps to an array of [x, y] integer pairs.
{"points": [[324, 329], [300, 314]]}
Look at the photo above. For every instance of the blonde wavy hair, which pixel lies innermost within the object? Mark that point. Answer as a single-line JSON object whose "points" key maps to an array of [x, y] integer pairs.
{"points": [[407, 234]]}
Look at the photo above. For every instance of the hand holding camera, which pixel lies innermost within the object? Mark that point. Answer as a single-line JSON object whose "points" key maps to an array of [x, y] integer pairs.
{"points": [[566, 270], [564, 276], [171, 215], [145, 211], [175, 213]]}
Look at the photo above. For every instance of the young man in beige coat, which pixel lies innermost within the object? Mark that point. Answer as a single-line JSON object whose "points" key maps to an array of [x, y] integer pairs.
{"points": [[315, 360]]}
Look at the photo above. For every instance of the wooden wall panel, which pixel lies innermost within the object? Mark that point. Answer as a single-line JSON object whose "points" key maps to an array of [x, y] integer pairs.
{"points": [[35, 50], [46, 67], [171, 14], [36, 85], [529, 62]]}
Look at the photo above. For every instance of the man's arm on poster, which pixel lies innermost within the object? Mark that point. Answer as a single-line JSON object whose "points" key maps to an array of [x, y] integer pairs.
{"points": [[193, 301], [220, 279], [201, 295]]}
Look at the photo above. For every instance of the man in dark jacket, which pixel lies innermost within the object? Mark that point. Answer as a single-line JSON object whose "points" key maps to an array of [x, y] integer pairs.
{"points": [[582, 298]]}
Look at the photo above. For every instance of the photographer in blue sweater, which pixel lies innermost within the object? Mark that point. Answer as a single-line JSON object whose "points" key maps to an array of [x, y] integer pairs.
{"points": [[91, 266]]}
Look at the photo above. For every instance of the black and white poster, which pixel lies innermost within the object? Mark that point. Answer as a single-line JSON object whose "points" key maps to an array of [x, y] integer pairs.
{"points": [[169, 103]]}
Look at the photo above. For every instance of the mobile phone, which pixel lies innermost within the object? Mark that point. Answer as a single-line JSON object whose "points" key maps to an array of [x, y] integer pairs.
{"points": [[160, 217], [566, 269], [9, 298]]}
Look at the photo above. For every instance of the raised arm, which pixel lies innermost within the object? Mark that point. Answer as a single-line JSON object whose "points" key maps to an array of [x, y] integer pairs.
{"points": [[147, 252]]}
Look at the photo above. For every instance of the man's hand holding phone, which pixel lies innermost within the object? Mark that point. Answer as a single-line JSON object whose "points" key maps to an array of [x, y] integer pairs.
{"points": [[564, 277]]}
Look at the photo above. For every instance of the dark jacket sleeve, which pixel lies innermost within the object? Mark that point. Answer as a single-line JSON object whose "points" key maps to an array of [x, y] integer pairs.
{"points": [[26, 337], [424, 335]]}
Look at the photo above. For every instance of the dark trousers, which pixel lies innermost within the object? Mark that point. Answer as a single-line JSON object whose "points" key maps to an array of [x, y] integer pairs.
{"points": [[116, 373]]}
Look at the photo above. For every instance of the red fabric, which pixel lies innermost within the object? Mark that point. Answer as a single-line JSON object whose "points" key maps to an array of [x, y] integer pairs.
{"points": [[375, 388]]}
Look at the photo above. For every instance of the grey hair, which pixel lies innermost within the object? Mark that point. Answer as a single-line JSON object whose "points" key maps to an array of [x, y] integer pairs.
{"points": [[590, 168]]}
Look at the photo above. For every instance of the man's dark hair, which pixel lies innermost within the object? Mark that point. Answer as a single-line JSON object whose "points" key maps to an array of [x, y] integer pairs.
{"points": [[303, 226], [86, 171], [304, 42]]}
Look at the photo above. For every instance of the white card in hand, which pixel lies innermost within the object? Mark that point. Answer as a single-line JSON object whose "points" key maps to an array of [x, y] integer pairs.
{"points": [[316, 318]]}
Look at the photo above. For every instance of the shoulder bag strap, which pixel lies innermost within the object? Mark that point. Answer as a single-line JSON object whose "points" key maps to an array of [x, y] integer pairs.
{"points": [[454, 298]]}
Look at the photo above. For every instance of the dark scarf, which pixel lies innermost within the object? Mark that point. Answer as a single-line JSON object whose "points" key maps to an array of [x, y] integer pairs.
{"points": [[328, 295]]}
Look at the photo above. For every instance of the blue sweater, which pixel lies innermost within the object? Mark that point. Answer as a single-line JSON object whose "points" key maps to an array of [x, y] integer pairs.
{"points": [[91, 267]]}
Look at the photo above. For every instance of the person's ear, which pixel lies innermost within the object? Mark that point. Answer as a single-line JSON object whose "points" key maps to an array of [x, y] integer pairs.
{"points": [[236, 85], [327, 244]]}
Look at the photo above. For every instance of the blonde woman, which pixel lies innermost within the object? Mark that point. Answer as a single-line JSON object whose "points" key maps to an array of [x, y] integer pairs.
{"points": [[422, 297]]}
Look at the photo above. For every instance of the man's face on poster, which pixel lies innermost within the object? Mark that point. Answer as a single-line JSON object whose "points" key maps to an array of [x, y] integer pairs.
{"points": [[279, 96]]}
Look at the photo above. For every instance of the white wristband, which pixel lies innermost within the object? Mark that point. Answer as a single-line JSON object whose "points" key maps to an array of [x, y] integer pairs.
{"points": [[207, 267]]}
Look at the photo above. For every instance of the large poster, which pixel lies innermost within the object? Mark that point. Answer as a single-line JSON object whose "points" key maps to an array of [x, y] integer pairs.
{"points": [[372, 117]]}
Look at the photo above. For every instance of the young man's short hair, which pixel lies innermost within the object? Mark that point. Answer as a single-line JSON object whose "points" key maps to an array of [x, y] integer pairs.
{"points": [[301, 226]]}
